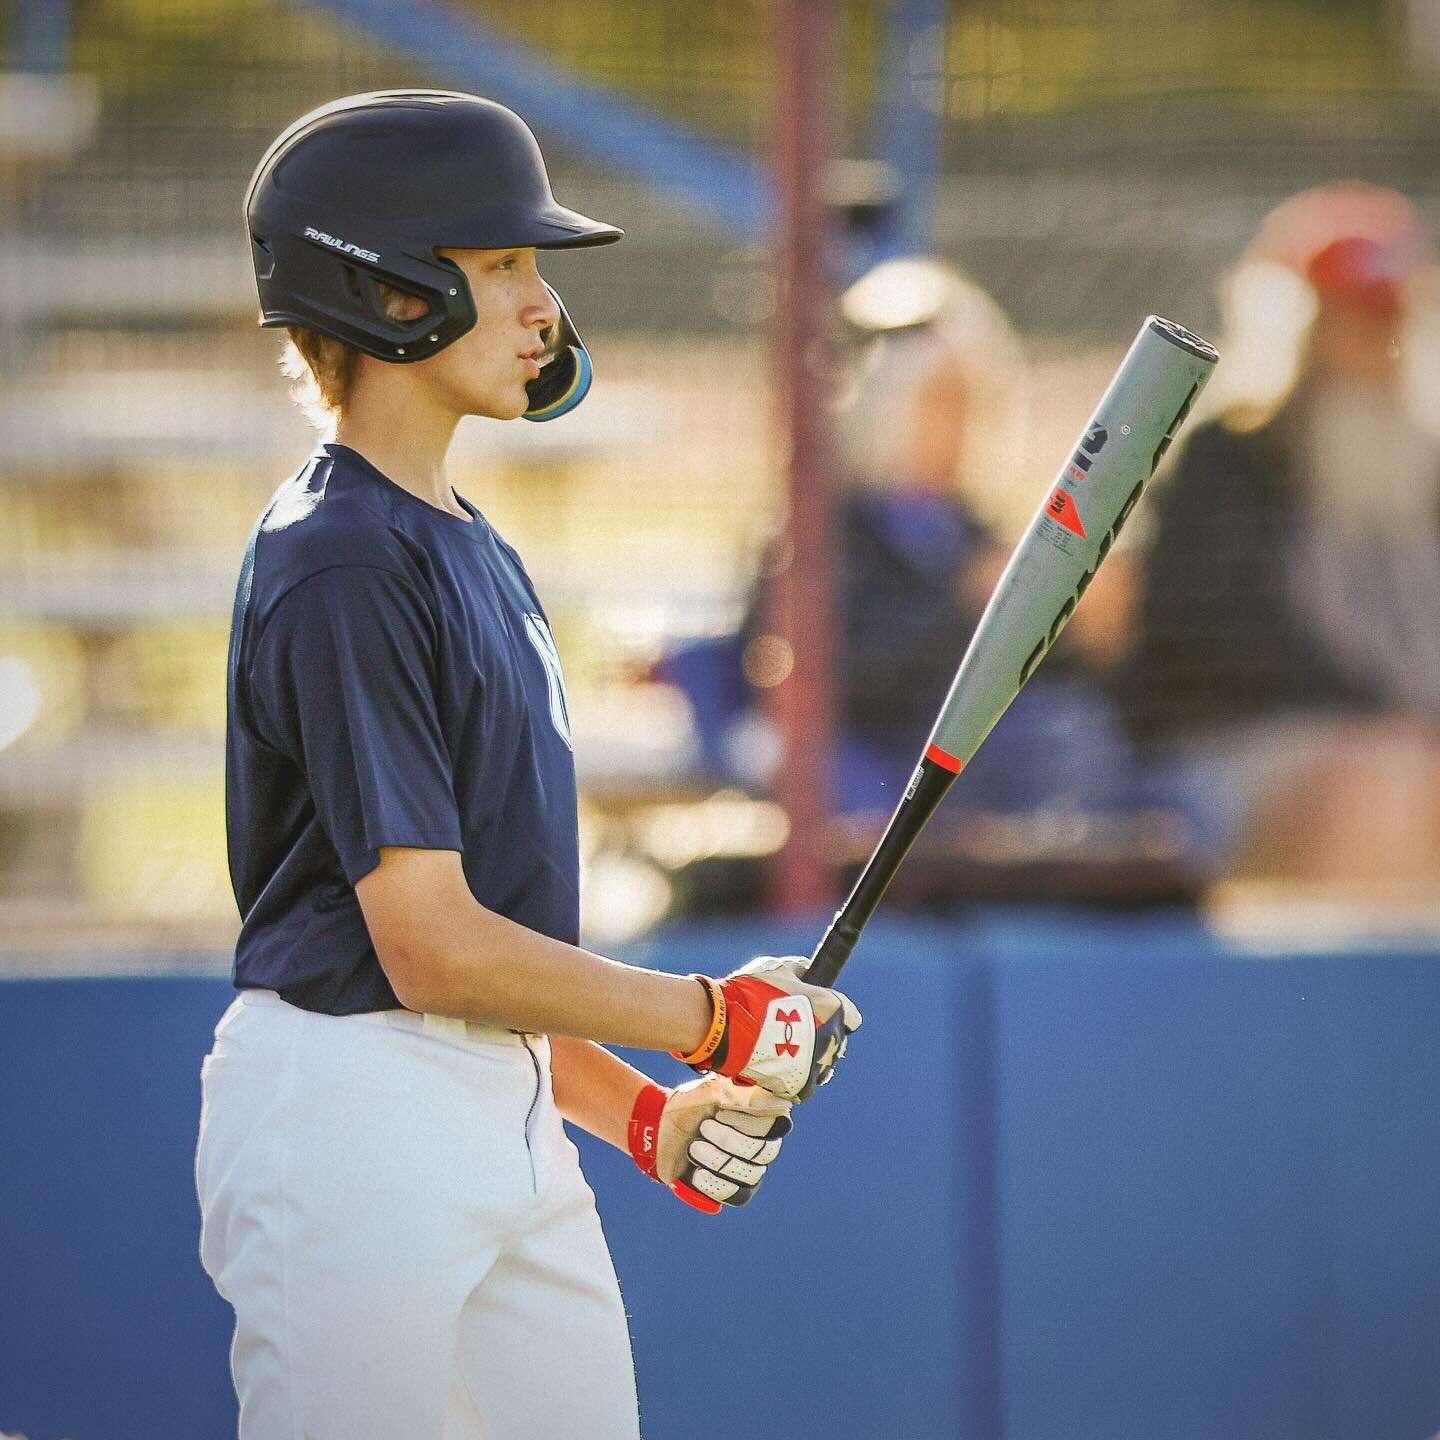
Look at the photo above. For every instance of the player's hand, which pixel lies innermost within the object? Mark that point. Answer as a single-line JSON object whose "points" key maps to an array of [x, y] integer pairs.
{"points": [[710, 1140], [773, 1029]]}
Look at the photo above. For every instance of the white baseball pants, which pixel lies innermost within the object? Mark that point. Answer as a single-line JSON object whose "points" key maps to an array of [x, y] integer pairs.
{"points": [[394, 1210]]}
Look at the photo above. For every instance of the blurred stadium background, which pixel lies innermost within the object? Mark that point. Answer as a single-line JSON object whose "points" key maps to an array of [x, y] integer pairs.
{"points": [[1084, 162]]}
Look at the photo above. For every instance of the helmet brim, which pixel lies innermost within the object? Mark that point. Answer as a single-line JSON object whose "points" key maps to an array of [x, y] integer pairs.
{"points": [[501, 227], [577, 231]]}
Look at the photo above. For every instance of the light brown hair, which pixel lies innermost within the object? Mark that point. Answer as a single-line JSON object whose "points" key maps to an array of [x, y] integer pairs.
{"points": [[323, 371], [323, 368]]}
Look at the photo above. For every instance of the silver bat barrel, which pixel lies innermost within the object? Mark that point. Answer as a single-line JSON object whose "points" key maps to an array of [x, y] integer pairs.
{"points": [[1072, 532], [1057, 557]]}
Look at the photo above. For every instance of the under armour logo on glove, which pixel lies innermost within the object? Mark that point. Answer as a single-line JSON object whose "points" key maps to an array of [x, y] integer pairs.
{"points": [[789, 1019], [772, 1029]]}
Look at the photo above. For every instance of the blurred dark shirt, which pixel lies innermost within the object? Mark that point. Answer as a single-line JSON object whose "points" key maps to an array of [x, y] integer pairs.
{"points": [[1222, 640], [906, 621]]}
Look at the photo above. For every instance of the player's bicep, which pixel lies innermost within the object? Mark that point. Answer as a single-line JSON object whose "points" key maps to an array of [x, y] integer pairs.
{"points": [[414, 901]]}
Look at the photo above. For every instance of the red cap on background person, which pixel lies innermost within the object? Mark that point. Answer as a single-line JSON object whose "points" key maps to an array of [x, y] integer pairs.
{"points": [[1354, 243], [1337, 275]]}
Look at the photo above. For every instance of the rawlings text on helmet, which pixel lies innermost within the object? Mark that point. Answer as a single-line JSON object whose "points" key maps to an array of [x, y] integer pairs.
{"points": [[312, 234]]}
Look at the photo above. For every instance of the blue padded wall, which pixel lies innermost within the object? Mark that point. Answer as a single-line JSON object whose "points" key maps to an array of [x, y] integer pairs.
{"points": [[1077, 1179]]}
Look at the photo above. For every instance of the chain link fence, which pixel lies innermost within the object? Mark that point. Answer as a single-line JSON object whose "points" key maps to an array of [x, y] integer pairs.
{"points": [[1081, 163]]}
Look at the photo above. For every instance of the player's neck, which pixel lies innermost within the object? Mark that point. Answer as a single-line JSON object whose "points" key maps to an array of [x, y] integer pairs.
{"points": [[410, 451]]}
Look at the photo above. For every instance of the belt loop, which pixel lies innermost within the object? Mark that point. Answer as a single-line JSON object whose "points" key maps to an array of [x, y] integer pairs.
{"points": [[447, 1025]]}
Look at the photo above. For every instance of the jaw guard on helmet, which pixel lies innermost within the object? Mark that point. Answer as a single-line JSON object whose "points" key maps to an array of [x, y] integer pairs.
{"points": [[565, 370], [364, 192]]}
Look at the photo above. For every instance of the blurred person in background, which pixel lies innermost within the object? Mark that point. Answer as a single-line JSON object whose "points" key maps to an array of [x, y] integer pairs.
{"points": [[931, 445], [933, 417], [1287, 670], [930, 435]]}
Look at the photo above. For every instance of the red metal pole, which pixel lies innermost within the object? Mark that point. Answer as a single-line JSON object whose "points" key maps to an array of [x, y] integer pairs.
{"points": [[801, 877]]}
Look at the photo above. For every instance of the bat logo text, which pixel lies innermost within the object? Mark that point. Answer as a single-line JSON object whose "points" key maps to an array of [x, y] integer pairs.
{"points": [[1107, 540]]}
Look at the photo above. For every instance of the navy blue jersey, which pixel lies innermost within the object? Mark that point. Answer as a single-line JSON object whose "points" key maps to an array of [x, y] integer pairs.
{"points": [[393, 681]]}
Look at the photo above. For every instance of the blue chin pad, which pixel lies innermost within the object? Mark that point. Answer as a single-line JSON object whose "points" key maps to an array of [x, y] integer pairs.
{"points": [[563, 384]]}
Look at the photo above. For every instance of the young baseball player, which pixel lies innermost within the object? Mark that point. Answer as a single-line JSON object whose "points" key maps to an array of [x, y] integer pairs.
{"points": [[389, 1200]]}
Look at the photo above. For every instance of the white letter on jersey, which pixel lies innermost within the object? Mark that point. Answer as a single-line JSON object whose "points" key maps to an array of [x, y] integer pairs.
{"points": [[544, 642]]}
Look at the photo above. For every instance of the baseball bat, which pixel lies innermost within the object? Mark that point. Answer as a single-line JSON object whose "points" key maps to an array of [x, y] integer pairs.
{"points": [[1056, 559]]}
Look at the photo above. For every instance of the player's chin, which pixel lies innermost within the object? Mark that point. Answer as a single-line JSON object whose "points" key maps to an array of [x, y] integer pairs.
{"points": [[502, 405]]}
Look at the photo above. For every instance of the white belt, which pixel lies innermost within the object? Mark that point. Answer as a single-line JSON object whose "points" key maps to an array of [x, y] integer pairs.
{"points": [[447, 1027], [451, 1027]]}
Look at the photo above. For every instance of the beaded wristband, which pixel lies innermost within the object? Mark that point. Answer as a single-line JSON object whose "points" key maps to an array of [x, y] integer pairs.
{"points": [[711, 1042]]}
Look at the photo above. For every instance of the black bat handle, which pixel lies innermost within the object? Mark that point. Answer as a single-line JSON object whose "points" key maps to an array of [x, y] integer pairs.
{"points": [[927, 788]]}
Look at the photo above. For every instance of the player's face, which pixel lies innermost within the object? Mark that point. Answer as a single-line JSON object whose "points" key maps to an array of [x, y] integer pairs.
{"points": [[486, 370]]}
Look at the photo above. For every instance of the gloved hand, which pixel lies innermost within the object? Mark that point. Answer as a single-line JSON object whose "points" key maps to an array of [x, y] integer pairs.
{"points": [[769, 1027], [709, 1141]]}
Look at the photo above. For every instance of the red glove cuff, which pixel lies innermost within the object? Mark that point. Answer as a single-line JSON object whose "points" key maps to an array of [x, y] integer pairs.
{"points": [[643, 1132]]}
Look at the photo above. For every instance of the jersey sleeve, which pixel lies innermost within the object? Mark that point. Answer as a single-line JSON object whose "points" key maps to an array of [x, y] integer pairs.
{"points": [[343, 682]]}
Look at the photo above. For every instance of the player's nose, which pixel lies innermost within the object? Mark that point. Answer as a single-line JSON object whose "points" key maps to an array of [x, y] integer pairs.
{"points": [[542, 308]]}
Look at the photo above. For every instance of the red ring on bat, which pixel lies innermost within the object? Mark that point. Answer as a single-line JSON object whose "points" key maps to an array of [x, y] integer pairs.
{"points": [[943, 759]]}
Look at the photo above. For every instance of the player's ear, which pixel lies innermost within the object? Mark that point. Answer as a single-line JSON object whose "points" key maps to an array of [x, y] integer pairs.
{"points": [[401, 305]]}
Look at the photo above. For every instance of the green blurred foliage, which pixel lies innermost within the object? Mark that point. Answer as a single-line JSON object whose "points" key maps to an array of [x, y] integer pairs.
{"points": [[708, 64], [1043, 56], [155, 59]]}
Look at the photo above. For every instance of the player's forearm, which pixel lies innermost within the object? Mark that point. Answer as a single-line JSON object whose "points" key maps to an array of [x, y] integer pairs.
{"points": [[493, 970], [593, 1088], [505, 973], [446, 954]]}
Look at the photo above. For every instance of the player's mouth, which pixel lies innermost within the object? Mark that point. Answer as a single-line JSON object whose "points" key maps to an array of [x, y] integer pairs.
{"points": [[532, 359]]}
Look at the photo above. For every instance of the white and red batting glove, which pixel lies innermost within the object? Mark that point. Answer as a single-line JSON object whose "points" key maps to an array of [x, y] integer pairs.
{"points": [[770, 1028], [709, 1141]]}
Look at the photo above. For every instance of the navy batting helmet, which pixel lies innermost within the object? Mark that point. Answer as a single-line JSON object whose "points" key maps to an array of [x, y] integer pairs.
{"points": [[364, 191]]}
